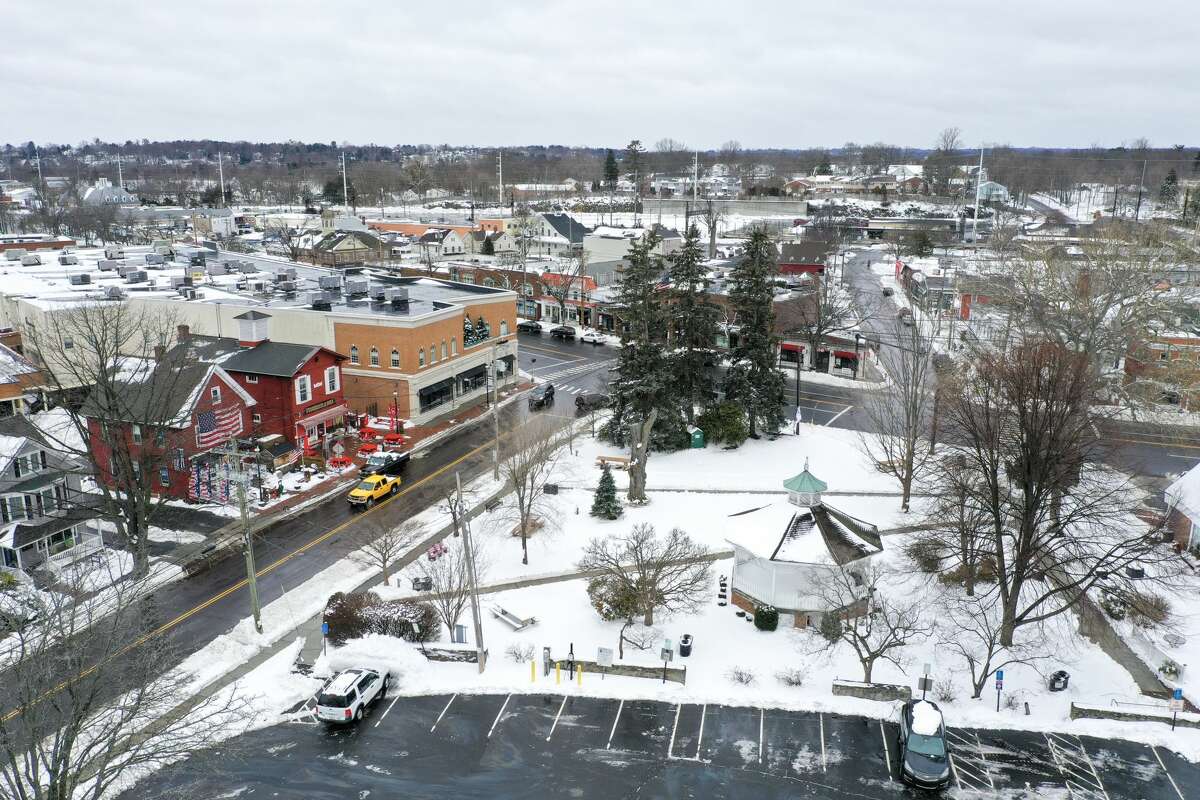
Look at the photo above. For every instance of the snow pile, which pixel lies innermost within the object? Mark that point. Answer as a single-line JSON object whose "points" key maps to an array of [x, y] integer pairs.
{"points": [[403, 661], [926, 720]]}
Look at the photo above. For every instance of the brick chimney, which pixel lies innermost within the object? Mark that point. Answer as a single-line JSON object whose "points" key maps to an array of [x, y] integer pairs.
{"points": [[252, 328], [183, 333], [159, 352]]}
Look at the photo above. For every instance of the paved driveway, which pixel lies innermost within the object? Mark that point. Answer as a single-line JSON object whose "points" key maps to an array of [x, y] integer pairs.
{"points": [[529, 746]]}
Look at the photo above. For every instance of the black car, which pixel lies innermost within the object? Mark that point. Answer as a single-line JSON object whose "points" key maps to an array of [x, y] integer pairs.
{"points": [[924, 761], [541, 397], [385, 463], [589, 401], [529, 326], [563, 332]]}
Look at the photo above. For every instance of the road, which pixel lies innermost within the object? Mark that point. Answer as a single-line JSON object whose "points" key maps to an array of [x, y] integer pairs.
{"points": [[556, 746]]}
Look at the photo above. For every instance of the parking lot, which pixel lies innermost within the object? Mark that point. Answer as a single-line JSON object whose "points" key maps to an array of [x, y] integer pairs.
{"points": [[566, 746]]}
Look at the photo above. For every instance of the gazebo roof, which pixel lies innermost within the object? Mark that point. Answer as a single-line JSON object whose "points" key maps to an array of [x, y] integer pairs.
{"points": [[805, 482]]}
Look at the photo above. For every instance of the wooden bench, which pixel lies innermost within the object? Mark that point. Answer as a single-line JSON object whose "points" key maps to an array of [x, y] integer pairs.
{"points": [[620, 462], [511, 619]]}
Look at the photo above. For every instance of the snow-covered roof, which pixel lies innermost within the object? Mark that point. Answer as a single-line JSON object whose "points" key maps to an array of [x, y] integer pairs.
{"points": [[1184, 494], [13, 365], [814, 535]]}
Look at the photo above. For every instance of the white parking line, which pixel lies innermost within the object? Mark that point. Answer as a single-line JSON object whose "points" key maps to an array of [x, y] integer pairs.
{"points": [[556, 716], [614, 727], [1174, 785], [824, 760], [700, 738], [835, 416], [761, 714], [1060, 748], [444, 710], [969, 766], [386, 710], [675, 727], [887, 752], [499, 715]]}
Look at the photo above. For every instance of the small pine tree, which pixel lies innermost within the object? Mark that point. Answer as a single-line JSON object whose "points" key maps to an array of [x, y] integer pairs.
{"points": [[766, 618], [605, 505], [1168, 193], [488, 248], [830, 627]]}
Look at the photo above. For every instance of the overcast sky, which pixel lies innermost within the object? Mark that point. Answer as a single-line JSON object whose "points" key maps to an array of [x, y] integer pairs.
{"points": [[776, 74]]}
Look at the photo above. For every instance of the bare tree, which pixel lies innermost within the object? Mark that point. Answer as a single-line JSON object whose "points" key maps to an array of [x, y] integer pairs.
{"points": [[958, 525], [970, 628], [449, 576], [712, 216], [570, 276], [535, 452], [92, 701], [383, 544], [825, 310], [289, 239], [129, 426], [671, 573], [874, 625], [900, 416]]}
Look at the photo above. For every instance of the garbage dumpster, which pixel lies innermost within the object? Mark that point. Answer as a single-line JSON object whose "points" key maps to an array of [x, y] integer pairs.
{"points": [[1058, 680], [685, 645]]}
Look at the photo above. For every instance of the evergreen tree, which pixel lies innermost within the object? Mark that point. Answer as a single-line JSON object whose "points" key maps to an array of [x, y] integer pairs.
{"points": [[693, 323], [605, 505], [611, 173], [1168, 193], [488, 248], [752, 379], [642, 376]]}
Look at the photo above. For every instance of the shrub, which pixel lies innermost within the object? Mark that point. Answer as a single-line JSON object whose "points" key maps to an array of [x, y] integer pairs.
{"points": [[606, 505], [944, 692], [791, 676], [1147, 609], [346, 616], [927, 554], [1113, 604], [8, 582], [741, 676], [766, 618], [830, 627], [352, 616], [612, 599], [520, 652], [724, 423]]}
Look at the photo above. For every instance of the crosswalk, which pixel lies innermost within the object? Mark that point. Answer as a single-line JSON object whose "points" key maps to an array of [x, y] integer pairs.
{"points": [[579, 369]]}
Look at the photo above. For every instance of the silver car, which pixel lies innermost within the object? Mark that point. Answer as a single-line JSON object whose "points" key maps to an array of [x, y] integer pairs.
{"points": [[348, 693]]}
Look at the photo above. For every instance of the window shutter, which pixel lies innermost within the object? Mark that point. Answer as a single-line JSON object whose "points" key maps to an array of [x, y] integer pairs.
{"points": [[17, 467], [42, 458]]}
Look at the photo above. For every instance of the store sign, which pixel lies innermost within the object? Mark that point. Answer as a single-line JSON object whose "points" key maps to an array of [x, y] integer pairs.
{"points": [[324, 404]]}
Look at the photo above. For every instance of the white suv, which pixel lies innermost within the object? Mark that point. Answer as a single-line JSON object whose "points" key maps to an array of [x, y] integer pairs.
{"points": [[344, 698]]}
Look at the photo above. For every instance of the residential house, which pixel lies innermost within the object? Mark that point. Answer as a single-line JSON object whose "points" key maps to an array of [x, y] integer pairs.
{"points": [[340, 248], [1183, 509], [173, 413], [558, 235], [21, 383], [103, 193], [438, 243], [297, 388], [498, 242], [807, 257], [786, 551], [45, 520], [576, 293]]}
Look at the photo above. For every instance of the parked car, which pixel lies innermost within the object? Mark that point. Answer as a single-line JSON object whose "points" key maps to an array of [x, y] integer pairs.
{"points": [[373, 488], [384, 463], [589, 401], [541, 397], [924, 760], [592, 337], [905, 316], [529, 326], [563, 332], [343, 699]]}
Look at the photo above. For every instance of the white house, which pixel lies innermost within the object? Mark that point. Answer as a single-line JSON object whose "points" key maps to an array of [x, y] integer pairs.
{"points": [[103, 193], [785, 551]]}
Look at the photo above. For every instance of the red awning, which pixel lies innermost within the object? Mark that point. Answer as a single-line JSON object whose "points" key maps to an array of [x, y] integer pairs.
{"points": [[792, 348], [845, 354]]}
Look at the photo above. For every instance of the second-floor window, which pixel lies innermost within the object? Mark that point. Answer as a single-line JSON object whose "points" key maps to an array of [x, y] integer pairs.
{"points": [[353, 354], [303, 389], [444, 350], [331, 380], [504, 327], [136, 432], [29, 463], [160, 437], [395, 358], [374, 356], [420, 358]]}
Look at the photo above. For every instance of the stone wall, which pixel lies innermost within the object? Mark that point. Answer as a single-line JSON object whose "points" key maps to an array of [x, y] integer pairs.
{"points": [[886, 692], [1184, 720], [674, 674]]}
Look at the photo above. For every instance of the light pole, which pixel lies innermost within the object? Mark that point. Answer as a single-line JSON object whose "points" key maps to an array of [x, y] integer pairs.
{"points": [[395, 410]]}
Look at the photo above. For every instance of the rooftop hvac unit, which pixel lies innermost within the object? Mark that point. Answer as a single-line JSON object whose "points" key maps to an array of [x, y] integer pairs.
{"points": [[31, 260], [157, 244], [396, 295], [114, 292], [188, 292], [66, 259], [286, 274], [137, 276], [215, 268], [356, 288], [287, 287], [163, 250], [177, 281], [114, 252], [320, 301], [16, 254], [247, 268], [258, 286], [124, 269], [330, 282], [107, 264], [83, 279], [154, 259], [378, 293]]}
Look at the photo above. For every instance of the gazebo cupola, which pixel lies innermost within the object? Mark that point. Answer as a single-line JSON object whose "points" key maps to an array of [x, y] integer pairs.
{"points": [[805, 489]]}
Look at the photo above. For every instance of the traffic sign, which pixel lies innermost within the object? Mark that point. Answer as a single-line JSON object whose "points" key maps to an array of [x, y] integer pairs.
{"points": [[999, 679], [604, 656], [338, 449], [324, 628]]}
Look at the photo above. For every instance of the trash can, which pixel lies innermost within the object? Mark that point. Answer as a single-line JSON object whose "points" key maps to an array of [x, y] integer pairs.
{"points": [[1058, 680], [685, 645]]}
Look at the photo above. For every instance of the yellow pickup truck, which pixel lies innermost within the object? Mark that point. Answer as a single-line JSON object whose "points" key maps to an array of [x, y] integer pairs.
{"points": [[372, 488]]}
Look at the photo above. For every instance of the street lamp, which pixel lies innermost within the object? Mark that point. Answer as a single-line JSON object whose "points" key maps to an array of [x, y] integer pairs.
{"points": [[395, 410], [857, 340]]}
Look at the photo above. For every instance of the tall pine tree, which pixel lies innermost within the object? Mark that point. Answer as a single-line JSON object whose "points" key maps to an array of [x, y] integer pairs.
{"points": [[611, 172], [752, 379], [693, 324], [1168, 193], [642, 376]]}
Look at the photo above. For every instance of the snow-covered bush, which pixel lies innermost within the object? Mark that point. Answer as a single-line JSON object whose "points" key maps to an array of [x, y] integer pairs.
{"points": [[944, 691], [520, 652], [741, 676], [830, 628], [1113, 604], [354, 615], [791, 676], [1147, 609], [926, 554], [766, 618]]}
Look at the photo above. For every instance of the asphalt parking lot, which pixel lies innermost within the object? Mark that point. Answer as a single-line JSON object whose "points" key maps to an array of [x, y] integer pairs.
{"points": [[491, 746]]}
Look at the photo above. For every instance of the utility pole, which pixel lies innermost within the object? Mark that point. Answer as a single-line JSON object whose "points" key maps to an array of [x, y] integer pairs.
{"points": [[500, 175], [221, 175], [463, 524], [345, 188], [240, 478], [1137, 212], [41, 180], [978, 186], [495, 419], [120, 176], [695, 177]]}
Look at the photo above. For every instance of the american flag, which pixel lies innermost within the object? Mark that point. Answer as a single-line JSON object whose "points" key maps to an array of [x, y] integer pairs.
{"points": [[213, 427]]}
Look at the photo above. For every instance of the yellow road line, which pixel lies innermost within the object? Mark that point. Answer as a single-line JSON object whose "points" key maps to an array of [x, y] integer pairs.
{"points": [[1164, 445], [243, 582]]}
